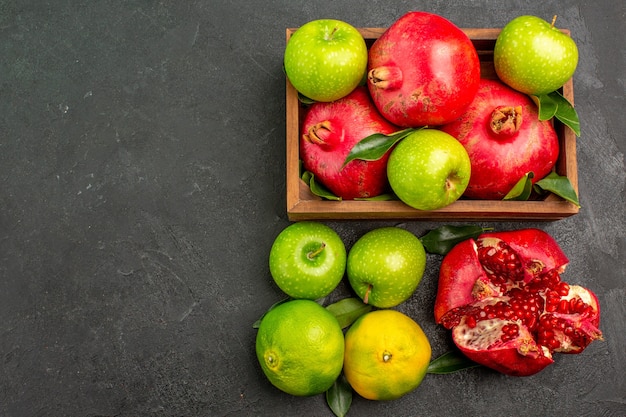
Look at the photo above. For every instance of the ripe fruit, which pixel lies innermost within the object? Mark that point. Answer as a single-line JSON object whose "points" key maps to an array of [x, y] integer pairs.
{"points": [[307, 260], [386, 355], [330, 131], [504, 139], [423, 70], [533, 56], [429, 169], [300, 347], [508, 309], [325, 59], [385, 266]]}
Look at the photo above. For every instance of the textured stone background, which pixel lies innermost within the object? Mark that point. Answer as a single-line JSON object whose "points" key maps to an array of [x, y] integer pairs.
{"points": [[142, 184]]}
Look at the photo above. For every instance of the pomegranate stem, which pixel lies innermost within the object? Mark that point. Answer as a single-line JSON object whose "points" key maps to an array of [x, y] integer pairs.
{"points": [[506, 120]]}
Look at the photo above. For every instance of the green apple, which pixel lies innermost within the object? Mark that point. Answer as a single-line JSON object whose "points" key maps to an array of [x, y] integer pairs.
{"points": [[307, 260], [429, 169], [385, 266], [533, 56], [325, 59]]}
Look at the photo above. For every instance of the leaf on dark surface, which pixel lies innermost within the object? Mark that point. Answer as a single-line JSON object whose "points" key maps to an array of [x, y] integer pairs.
{"points": [[373, 147], [348, 310], [522, 189], [339, 396], [559, 185], [450, 362], [440, 240]]}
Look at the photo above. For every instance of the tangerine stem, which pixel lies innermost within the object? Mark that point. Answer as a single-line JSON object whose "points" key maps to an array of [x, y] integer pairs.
{"points": [[553, 21]]}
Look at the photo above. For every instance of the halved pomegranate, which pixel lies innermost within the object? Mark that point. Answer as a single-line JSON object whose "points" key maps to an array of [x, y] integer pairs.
{"points": [[503, 298]]}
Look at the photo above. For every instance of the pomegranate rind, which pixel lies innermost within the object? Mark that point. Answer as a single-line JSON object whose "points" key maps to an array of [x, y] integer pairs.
{"points": [[540, 251], [520, 357], [459, 272]]}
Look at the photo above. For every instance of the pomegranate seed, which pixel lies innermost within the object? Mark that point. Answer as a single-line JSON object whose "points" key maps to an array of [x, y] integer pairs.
{"points": [[546, 334], [470, 321], [552, 297], [563, 288], [509, 332], [551, 308], [554, 344], [563, 306]]}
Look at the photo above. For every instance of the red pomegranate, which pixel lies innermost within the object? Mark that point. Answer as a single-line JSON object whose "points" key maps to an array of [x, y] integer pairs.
{"points": [[330, 130], [505, 140], [423, 70], [507, 306]]}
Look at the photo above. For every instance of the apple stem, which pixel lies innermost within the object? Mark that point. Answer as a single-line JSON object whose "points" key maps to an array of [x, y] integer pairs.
{"points": [[313, 254], [367, 293], [329, 36], [553, 21]]}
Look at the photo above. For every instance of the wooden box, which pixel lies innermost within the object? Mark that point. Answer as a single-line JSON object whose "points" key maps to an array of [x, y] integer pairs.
{"points": [[303, 205]]}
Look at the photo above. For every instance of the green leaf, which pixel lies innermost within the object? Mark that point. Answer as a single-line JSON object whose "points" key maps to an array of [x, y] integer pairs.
{"points": [[304, 99], [375, 146], [554, 104], [380, 197], [339, 396], [560, 186], [452, 361], [257, 323], [317, 188], [440, 240], [348, 310], [547, 107], [522, 189], [566, 113]]}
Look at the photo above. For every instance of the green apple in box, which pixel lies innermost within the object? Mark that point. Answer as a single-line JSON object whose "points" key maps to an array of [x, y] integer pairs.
{"points": [[533, 56], [325, 59]]}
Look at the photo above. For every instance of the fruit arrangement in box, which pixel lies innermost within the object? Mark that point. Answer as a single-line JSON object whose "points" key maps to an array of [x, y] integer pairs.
{"points": [[420, 120], [424, 120]]}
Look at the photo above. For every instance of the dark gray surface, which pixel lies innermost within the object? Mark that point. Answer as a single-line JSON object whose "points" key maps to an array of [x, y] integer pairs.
{"points": [[142, 184]]}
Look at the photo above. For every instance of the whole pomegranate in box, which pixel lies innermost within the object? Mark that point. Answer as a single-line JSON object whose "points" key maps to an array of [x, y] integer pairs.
{"points": [[504, 139], [507, 306], [423, 70], [330, 130]]}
